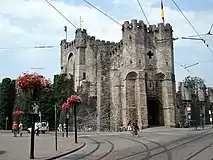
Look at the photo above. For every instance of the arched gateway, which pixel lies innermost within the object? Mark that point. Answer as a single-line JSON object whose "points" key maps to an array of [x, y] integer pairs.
{"points": [[155, 112]]}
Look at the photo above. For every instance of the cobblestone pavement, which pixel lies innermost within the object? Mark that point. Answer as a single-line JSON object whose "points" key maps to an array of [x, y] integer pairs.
{"points": [[152, 144]]}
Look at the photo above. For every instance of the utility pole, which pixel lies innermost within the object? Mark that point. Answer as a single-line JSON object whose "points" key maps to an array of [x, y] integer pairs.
{"points": [[56, 138]]}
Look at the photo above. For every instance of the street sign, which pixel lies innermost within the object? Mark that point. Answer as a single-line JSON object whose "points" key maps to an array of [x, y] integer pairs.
{"points": [[188, 109]]}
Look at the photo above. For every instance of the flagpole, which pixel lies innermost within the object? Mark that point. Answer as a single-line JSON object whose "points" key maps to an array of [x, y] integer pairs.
{"points": [[80, 22], [65, 29]]}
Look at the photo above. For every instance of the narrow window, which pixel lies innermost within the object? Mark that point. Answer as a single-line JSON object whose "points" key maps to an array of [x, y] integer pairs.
{"points": [[84, 75]]}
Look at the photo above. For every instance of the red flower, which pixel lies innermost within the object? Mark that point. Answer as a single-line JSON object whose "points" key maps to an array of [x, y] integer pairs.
{"points": [[29, 81], [74, 99], [18, 113], [65, 106]]}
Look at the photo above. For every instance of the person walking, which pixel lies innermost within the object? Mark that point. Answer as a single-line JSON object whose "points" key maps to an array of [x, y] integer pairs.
{"points": [[15, 128], [20, 129]]}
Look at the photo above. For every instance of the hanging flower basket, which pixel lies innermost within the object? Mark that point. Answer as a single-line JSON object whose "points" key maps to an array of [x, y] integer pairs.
{"points": [[18, 113], [74, 100], [31, 81], [65, 106], [71, 100]]}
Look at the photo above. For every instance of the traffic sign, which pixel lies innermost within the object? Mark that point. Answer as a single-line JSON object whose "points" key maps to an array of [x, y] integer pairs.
{"points": [[188, 109]]}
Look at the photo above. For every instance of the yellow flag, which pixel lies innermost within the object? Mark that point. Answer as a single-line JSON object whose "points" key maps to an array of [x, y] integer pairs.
{"points": [[162, 12], [81, 20]]}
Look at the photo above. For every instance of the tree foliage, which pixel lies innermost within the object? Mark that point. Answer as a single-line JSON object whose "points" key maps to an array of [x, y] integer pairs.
{"points": [[194, 83], [56, 94], [63, 87], [7, 101]]}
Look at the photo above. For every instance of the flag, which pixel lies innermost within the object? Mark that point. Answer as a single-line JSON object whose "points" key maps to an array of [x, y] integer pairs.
{"points": [[81, 20], [162, 12], [65, 28]]}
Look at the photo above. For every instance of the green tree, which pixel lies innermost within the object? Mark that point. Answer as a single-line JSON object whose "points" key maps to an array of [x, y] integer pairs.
{"points": [[193, 83], [7, 101], [47, 103], [63, 87]]}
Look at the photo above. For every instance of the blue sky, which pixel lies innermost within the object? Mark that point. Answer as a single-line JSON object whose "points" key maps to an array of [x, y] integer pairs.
{"points": [[31, 23]]}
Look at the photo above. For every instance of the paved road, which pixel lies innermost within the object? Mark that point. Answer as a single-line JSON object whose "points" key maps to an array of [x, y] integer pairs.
{"points": [[156, 144], [18, 148]]}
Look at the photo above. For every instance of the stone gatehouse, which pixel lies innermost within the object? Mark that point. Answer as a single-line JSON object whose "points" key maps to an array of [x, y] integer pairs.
{"points": [[129, 80]]}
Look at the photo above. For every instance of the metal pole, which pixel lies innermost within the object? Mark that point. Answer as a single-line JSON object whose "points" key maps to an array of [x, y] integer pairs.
{"points": [[56, 145], [75, 121], [67, 119], [6, 123], [32, 138]]}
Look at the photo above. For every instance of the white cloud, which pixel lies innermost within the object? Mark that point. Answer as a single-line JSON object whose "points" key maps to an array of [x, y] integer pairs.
{"points": [[28, 23]]}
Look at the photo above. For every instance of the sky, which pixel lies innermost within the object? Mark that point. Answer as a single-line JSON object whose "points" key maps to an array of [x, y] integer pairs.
{"points": [[25, 24]]}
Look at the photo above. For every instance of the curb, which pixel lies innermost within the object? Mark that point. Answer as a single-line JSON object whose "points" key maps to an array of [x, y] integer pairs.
{"points": [[66, 153]]}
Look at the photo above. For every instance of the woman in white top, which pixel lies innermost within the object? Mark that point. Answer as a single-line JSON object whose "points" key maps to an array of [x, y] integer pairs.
{"points": [[20, 129]]}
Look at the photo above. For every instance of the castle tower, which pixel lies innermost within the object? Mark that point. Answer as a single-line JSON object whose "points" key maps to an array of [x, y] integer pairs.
{"points": [[80, 61], [133, 72], [165, 69]]}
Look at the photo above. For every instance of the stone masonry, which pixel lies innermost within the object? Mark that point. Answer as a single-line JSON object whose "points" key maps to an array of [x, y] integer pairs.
{"points": [[129, 79]]}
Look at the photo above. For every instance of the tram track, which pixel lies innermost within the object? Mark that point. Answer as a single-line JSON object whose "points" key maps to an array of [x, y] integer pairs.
{"points": [[167, 150], [145, 153]]}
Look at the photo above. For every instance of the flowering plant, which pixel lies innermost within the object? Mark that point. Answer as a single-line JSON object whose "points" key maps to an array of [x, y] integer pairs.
{"points": [[18, 113], [74, 99], [30, 81], [65, 106], [71, 100]]}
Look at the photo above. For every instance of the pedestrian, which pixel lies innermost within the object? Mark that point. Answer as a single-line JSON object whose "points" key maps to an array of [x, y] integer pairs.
{"points": [[60, 128], [136, 129], [37, 129], [129, 126], [15, 128], [20, 129]]}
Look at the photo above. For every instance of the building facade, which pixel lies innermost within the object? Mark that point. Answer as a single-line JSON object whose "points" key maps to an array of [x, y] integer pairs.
{"points": [[132, 80]]}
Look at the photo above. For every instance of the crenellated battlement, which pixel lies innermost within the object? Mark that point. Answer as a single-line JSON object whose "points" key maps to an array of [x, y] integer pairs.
{"points": [[135, 25], [116, 49]]}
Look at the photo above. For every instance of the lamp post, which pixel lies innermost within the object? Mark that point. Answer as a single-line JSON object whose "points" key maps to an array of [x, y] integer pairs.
{"points": [[56, 141], [34, 115], [67, 123], [75, 121]]}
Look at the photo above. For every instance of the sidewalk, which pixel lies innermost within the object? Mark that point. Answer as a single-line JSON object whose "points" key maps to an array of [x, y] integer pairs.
{"points": [[18, 148]]}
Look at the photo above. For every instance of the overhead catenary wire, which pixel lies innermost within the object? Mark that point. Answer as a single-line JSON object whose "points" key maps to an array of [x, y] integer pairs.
{"points": [[144, 14], [130, 31], [204, 42], [61, 14], [187, 37], [29, 47]]}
